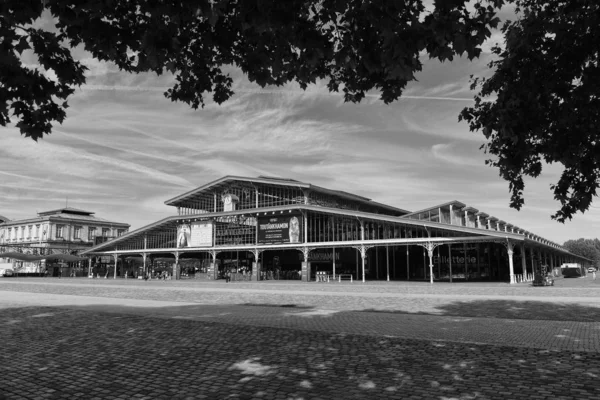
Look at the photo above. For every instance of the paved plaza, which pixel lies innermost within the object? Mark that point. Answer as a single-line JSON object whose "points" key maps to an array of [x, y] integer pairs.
{"points": [[122, 339]]}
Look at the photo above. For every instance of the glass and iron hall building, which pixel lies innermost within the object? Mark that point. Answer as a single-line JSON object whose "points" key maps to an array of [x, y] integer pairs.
{"points": [[273, 228]]}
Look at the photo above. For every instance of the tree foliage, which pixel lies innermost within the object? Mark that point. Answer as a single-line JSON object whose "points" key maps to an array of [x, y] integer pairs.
{"points": [[354, 45], [588, 248], [544, 100], [539, 105]]}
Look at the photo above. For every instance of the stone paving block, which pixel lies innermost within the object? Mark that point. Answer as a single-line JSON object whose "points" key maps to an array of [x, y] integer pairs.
{"points": [[267, 353]]}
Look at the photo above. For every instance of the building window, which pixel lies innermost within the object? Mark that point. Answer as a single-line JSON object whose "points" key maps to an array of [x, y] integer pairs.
{"points": [[91, 233], [77, 232], [22, 232], [37, 231], [105, 232], [120, 232], [59, 231], [29, 231]]}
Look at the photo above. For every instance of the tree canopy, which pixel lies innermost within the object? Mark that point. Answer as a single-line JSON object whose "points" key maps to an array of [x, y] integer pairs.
{"points": [[588, 248], [546, 106], [540, 104]]}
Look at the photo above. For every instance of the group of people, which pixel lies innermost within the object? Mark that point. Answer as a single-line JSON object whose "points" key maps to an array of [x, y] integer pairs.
{"points": [[164, 275], [59, 272]]}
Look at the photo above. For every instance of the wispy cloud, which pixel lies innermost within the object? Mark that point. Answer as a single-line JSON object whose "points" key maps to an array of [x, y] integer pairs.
{"points": [[121, 88], [161, 89], [108, 145], [446, 152], [21, 176]]}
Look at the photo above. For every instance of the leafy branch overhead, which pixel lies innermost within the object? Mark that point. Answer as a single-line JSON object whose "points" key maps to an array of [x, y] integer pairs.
{"points": [[543, 88], [356, 46], [546, 107]]}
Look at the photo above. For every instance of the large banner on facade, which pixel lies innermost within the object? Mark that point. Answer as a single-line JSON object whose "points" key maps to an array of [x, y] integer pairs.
{"points": [[196, 234], [184, 235], [280, 229], [202, 234]]}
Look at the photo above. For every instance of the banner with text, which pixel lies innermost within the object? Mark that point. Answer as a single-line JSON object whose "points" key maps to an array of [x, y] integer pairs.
{"points": [[280, 229], [202, 234]]}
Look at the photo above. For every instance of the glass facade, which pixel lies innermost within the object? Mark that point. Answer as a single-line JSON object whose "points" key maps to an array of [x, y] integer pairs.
{"points": [[225, 227]]}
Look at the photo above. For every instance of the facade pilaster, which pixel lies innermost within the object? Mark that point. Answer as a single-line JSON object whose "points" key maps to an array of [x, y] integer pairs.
{"points": [[524, 262], [116, 256], [511, 270]]}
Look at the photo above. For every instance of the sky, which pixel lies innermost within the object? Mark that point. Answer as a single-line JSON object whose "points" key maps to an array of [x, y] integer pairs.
{"points": [[125, 149]]}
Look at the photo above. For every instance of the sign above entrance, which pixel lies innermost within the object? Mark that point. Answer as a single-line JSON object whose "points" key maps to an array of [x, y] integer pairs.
{"points": [[280, 229]]}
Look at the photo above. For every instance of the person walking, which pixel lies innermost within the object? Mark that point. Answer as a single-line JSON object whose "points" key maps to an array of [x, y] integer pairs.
{"points": [[594, 274]]}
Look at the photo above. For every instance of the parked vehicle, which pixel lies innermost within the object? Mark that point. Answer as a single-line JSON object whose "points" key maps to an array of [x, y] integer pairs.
{"points": [[591, 269], [541, 280], [572, 270], [6, 272]]}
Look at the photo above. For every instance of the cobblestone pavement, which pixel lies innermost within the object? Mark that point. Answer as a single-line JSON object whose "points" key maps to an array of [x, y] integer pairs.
{"points": [[178, 341], [469, 300], [586, 287]]}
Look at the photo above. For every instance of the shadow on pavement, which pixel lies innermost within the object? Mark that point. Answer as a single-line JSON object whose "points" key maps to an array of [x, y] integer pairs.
{"points": [[276, 305], [225, 313], [512, 309], [65, 352], [496, 309]]}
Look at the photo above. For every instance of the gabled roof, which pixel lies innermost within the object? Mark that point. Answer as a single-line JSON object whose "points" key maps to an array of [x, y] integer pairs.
{"points": [[67, 214], [275, 178], [506, 226], [268, 180], [450, 203], [173, 221], [65, 210]]}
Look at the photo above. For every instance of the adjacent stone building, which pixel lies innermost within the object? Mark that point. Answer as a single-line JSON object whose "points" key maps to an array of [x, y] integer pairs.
{"points": [[62, 231]]}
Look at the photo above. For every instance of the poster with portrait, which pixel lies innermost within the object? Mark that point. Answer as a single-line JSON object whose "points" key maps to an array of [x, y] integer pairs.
{"points": [[280, 229], [184, 236]]}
